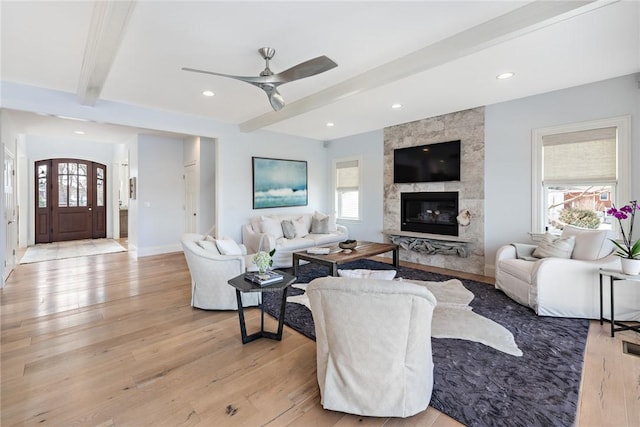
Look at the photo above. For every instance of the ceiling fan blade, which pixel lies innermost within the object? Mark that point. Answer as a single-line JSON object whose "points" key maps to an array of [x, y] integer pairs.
{"points": [[305, 69], [249, 79]]}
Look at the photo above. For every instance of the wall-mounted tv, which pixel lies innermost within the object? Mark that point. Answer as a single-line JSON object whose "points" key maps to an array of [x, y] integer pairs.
{"points": [[427, 163]]}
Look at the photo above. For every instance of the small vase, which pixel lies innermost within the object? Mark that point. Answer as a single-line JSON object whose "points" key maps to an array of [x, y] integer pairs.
{"points": [[630, 266]]}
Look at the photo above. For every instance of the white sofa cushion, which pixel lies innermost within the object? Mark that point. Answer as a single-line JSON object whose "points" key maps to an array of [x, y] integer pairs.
{"points": [[590, 244], [271, 226], [553, 246], [301, 227], [208, 245], [228, 247]]}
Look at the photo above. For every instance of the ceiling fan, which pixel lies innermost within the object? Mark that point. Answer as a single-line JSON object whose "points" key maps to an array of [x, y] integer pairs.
{"points": [[269, 82]]}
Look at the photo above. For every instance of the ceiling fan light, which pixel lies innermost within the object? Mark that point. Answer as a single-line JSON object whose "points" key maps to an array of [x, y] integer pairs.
{"points": [[276, 100]]}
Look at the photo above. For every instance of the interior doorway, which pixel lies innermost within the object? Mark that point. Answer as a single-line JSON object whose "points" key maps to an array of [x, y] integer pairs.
{"points": [[70, 200]]}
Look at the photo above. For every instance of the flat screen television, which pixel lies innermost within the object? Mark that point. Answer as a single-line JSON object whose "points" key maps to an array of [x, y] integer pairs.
{"points": [[427, 163]]}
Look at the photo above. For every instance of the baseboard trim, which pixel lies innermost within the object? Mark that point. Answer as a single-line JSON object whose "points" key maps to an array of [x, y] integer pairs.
{"points": [[158, 250]]}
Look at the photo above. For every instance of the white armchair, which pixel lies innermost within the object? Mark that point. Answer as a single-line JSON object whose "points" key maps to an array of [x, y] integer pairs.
{"points": [[210, 272], [373, 340], [566, 287]]}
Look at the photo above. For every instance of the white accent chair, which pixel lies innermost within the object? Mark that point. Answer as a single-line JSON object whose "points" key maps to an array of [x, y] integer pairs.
{"points": [[373, 341], [210, 272], [561, 287]]}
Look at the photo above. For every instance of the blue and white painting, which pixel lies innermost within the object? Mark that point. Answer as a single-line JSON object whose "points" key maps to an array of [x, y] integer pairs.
{"points": [[279, 183]]}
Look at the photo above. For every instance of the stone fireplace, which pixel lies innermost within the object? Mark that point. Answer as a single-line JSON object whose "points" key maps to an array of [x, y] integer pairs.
{"points": [[432, 212], [456, 247]]}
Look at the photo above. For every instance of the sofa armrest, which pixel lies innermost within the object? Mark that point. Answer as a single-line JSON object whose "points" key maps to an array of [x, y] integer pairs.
{"points": [[253, 240], [341, 229], [505, 252]]}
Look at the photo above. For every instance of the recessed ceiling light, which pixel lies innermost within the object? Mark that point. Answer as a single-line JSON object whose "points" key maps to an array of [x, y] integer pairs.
{"points": [[70, 118], [208, 93], [330, 124], [506, 75], [396, 106], [78, 132]]}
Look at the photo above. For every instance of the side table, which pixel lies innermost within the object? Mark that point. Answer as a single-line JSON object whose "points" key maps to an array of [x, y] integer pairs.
{"points": [[613, 276], [243, 285]]}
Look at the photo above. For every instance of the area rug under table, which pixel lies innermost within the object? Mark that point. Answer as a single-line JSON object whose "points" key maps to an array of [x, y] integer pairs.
{"points": [[475, 383], [70, 249]]}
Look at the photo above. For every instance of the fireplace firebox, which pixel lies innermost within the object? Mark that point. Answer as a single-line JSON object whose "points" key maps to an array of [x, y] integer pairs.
{"points": [[431, 212]]}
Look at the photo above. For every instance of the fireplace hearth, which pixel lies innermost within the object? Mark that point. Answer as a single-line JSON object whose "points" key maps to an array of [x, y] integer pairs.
{"points": [[432, 212]]}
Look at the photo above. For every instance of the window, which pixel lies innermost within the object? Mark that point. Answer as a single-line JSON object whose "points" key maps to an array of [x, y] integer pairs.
{"points": [[347, 185], [579, 171]]}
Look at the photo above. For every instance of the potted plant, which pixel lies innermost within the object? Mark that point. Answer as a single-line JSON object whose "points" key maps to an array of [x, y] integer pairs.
{"points": [[263, 260], [628, 251]]}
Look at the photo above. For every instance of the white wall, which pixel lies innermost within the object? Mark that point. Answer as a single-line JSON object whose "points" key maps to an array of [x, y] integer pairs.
{"points": [[207, 197], [369, 147], [508, 127], [160, 217], [235, 180]]}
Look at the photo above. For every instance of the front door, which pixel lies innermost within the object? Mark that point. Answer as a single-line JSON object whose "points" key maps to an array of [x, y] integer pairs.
{"points": [[70, 200]]}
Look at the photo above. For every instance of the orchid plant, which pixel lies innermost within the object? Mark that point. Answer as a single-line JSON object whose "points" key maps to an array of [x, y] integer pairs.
{"points": [[626, 249]]}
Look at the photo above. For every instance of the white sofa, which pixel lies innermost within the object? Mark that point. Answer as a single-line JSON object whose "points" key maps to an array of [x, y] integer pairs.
{"points": [[566, 287], [266, 233], [210, 272], [368, 363]]}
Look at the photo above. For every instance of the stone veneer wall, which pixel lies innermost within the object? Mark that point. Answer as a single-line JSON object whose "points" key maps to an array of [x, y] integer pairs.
{"points": [[468, 127]]}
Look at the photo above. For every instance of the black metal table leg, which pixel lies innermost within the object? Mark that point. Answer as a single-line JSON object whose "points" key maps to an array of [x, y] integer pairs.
{"points": [[601, 299], [611, 291]]}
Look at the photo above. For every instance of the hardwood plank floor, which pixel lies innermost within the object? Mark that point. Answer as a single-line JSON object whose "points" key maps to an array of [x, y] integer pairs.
{"points": [[110, 340]]}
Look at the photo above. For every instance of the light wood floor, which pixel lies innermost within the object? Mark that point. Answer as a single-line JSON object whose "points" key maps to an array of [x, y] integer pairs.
{"points": [[109, 340]]}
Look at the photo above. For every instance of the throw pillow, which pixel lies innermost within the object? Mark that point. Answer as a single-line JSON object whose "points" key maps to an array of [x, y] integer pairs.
{"points": [[271, 226], [332, 220], [208, 245], [300, 227], [590, 244], [228, 247], [288, 230], [320, 226], [368, 274], [552, 246]]}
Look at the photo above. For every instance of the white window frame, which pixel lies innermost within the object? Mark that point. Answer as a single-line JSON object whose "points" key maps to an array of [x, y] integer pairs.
{"points": [[335, 187], [622, 188]]}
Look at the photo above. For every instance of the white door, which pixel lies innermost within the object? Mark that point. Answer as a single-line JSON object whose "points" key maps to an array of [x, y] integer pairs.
{"points": [[190, 199], [10, 214]]}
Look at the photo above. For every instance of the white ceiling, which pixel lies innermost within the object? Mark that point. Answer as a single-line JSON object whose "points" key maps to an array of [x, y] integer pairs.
{"points": [[431, 57]]}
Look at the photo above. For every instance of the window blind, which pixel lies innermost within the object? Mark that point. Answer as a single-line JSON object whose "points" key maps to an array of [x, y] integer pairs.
{"points": [[348, 189], [348, 176], [583, 156]]}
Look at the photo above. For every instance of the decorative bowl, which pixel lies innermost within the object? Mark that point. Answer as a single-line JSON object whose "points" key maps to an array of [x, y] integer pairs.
{"points": [[348, 244]]}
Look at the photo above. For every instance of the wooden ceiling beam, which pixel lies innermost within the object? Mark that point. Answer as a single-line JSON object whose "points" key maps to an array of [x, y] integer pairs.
{"points": [[108, 25]]}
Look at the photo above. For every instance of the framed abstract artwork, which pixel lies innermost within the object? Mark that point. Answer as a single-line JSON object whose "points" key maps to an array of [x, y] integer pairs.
{"points": [[279, 183]]}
